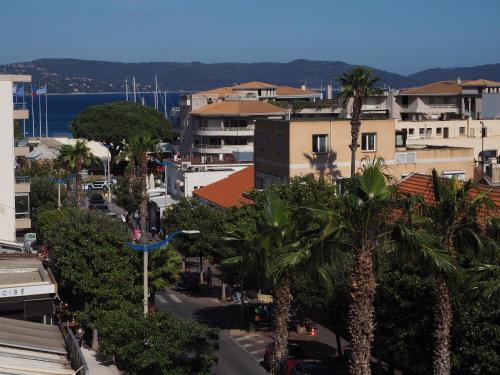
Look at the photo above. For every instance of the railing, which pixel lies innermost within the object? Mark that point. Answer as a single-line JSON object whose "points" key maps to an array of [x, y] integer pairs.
{"points": [[74, 352], [22, 179], [228, 128], [18, 106], [21, 143], [443, 105], [221, 146]]}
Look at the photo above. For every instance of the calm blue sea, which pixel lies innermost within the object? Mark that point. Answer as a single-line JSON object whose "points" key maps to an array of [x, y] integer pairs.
{"points": [[62, 109]]}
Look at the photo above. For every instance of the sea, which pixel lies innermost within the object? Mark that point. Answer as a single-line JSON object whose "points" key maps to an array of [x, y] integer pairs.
{"points": [[63, 108]]}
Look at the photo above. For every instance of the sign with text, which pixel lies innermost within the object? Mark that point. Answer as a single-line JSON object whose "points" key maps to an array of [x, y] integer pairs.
{"points": [[29, 290]]}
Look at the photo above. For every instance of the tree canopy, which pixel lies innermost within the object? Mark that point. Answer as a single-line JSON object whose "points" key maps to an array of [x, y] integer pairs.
{"points": [[116, 123]]}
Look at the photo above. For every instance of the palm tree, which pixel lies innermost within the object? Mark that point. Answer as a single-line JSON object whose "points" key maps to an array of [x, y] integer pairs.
{"points": [[278, 253], [356, 84], [131, 152], [438, 233], [359, 224], [164, 264], [74, 159]]}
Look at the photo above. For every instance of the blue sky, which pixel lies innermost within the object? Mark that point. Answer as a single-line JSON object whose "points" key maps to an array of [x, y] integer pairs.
{"points": [[402, 36]]}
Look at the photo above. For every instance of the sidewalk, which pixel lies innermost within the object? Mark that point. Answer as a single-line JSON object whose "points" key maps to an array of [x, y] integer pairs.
{"points": [[96, 367]]}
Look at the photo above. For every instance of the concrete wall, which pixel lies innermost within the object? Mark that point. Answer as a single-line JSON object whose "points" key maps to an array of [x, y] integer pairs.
{"points": [[491, 106], [297, 156], [7, 159]]}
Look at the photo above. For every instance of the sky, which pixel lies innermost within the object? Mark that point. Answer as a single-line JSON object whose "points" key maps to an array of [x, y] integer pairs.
{"points": [[401, 36]]}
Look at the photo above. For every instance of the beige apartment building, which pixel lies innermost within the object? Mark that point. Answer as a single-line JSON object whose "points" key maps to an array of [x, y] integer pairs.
{"points": [[284, 149], [15, 192]]}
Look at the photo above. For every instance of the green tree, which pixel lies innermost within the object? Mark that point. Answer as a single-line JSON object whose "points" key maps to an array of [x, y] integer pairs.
{"points": [[358, 223], [164, 264], [356, 84], [117, 123], [74, 159], [447, 227]]}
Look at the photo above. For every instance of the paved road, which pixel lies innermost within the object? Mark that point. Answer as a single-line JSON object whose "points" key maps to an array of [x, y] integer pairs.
{"points": [[233, 357]]}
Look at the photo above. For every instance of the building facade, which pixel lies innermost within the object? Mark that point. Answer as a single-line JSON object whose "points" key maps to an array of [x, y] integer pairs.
{"points": [[14, 194], [284, 149]]}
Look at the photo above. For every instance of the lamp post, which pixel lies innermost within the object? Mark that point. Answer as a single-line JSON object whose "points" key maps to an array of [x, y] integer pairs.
{"points": [[146, 248], [59, 182]]}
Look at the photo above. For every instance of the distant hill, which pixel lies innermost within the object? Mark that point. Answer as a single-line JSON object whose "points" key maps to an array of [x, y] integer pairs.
{"points": [[71, 75]]}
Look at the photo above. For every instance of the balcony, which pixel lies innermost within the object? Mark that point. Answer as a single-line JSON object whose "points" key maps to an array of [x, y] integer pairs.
{"points": [[221, 149], [23, 184], [21, 111], [22, 203], [225, 131], [374, 107], [21, 148]]}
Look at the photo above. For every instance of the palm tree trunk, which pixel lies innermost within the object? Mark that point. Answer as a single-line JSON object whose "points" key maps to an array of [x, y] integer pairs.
{"points": [[443, 318], [130, 188], [144, 194], [281, 318], [78, 184], [355, 125], [361, 312]]}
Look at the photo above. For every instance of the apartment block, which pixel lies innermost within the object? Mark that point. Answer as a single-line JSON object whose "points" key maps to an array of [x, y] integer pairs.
{"points": [[14, 195], [221, 120], [284, 149]]}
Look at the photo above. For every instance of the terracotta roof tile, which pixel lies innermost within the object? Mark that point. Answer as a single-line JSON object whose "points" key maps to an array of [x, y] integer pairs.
{"points": [[229, 191], [436, 88], [422, 184], [286, 91], [239, 108], [216, 91], [480, 82], [254, 85]]}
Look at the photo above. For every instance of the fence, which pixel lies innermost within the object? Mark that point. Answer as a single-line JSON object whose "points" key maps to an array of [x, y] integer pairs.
{"points": [[74, 352]]}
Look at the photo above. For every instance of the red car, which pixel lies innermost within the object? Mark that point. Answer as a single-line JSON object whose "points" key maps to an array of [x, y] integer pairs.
{"points": [[295, 352]]}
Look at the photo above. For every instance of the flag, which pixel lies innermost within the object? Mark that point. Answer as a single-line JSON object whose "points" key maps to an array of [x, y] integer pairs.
{"points": [[41, 91], [20, 91]]}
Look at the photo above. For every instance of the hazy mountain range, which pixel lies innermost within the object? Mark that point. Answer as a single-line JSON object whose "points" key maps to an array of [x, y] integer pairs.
{"points": [[71, 75]]}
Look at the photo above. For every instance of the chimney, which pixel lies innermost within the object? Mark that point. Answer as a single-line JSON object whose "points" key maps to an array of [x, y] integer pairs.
{"points": [[329, 92]]}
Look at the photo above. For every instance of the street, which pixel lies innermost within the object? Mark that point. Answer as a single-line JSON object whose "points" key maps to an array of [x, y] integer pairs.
{"points": [[233, 359]]}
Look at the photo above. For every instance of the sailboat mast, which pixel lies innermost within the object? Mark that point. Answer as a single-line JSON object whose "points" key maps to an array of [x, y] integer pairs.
{"points": [[126, 89], [165, 106], [135, 96], [156, 92]]}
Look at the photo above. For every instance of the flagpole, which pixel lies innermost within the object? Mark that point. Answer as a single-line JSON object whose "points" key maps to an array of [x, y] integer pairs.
{"points": [[46, 114], [32, 113], [40, 115]]}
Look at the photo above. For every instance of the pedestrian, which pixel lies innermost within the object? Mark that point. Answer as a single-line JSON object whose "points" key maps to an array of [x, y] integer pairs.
{"points": [[209, 277], [153, 232]]}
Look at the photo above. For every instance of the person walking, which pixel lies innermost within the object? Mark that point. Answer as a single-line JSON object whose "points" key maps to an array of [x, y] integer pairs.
{"points": [[209, 277]]}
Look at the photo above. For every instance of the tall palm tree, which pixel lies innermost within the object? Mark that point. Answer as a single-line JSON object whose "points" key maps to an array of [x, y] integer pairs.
{"points": [[356, 85], [279, 252], [359, 224], [440, 231], [74, 159], [131, 153]]}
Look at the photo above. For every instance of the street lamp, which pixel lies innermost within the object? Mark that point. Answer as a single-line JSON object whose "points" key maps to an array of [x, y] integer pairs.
{"points": [[146, 248], [59, 182]]}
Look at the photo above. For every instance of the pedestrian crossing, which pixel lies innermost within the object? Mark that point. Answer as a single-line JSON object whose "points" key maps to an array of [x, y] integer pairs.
{"points": [[166, 298], [255, 345]]}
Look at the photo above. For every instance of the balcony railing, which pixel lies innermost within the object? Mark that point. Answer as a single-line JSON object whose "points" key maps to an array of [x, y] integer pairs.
{"points": [[228, 128], [20, 106], [21, 143], [23, 179]]}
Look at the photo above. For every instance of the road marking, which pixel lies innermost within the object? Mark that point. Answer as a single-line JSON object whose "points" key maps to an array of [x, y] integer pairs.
{"points": [[241, 338], [257, 351], [174, 298], [160, 298], [246, 345], [261, 341]]}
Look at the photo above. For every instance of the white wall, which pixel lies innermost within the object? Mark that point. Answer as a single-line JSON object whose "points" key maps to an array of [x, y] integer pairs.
{"points": [[7, 160]]}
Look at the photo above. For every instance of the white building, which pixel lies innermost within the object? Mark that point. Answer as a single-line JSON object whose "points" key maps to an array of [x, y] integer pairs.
{"points": [[14, 197], [187, 174]]}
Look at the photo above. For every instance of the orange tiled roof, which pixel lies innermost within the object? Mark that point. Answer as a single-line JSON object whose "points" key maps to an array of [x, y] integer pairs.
{"points": [[239, 108], [436, 88], [229, 191], [217, 91], [422, 184], [448, 87], [286, 90], [254, 85]]}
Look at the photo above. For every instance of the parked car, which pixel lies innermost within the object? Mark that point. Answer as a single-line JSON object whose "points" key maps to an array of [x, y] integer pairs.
{"points": [[310, 367], [87, 187], [96, 198], [295, 352], [99, 185]]}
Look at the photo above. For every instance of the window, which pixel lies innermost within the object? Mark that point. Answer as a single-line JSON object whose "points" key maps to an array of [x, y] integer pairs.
{"points": [[319, 143], [22, 202], [279, 143], [400, 138], [461, 131], [439, 131], [368, 141], [421, 131], [460, 175], [484, 132], [411, 131], [428, 132]]}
